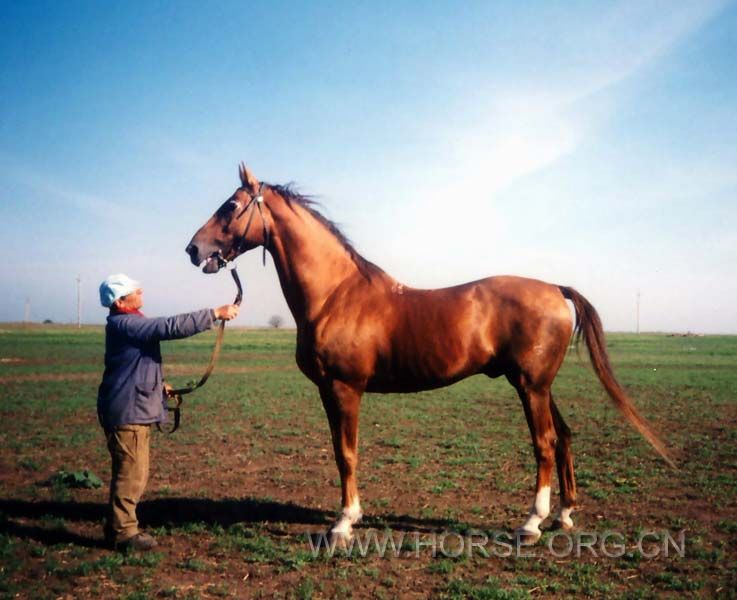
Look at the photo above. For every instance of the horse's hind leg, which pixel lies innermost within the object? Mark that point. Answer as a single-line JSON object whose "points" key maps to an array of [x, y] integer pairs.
{"points": [[566, 476], [341, 404], [537, 405]]}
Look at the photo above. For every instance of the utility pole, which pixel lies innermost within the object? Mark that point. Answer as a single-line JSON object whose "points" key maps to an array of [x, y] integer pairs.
{"points": [[27, 310], [638, 311], [79, 302]]}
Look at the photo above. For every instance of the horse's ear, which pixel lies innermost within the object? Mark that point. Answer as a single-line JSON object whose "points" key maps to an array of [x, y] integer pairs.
{"points": [[248, 181]]}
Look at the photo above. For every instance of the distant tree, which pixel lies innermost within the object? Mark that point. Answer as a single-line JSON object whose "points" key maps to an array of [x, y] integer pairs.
{"points": [[275, 321], [47, 321]]}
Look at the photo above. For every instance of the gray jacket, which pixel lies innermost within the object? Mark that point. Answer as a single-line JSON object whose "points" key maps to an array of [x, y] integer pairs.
{"points": [[131, 389]]}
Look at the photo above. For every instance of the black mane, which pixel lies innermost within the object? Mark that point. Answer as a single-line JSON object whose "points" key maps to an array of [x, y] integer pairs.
{"points": [[366, 268]]}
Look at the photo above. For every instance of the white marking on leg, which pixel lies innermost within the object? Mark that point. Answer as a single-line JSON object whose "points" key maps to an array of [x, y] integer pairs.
{"points": [[349, 517], [354, 512], [565, 517], [539, 511]]}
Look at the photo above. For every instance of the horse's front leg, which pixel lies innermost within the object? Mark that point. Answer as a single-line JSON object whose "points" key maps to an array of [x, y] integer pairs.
{"points": [[341, 402]]}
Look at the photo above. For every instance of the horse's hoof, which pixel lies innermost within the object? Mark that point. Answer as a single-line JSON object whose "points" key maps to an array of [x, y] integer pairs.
{"points": [[527, 538], [340, 539], [559, 525]]}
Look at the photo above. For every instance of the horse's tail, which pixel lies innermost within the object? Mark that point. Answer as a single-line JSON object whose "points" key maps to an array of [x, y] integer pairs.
{"points": [[588, 326]]}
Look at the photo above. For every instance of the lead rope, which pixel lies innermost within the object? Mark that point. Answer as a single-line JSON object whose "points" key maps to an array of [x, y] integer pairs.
{"points": [[173, 399]]}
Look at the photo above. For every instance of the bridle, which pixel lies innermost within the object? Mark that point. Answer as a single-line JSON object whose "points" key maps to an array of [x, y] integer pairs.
{"points": [[238, 247], [176, 395]]}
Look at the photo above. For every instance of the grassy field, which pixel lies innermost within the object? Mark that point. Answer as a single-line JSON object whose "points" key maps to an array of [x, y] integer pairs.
{"points": [[235, 494]]}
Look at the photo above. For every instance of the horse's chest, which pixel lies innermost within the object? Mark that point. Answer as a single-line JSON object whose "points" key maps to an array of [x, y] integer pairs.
{"points": [[333, 357], [306, 355]]}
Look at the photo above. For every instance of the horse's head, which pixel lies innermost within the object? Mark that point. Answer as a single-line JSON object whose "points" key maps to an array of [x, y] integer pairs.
{"points": [[228, 233]]}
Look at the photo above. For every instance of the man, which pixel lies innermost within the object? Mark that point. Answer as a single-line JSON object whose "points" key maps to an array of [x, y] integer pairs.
{"points": [[131, 399]]}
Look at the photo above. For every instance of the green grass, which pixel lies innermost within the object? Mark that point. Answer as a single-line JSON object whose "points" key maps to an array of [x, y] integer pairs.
{"points": [[255, 447], [490, 589]]}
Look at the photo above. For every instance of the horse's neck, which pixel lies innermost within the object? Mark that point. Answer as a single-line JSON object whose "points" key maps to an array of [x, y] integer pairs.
{"points": [[310, 261]]}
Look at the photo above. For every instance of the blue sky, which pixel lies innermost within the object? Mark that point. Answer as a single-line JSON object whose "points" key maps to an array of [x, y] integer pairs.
{"points": [[587, 144]]}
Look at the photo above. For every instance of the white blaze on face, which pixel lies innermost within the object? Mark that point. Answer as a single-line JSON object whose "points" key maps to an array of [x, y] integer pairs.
{"points": [[539, 511]]}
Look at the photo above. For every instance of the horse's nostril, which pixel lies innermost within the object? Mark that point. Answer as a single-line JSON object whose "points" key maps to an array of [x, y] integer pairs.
{"points": [[193, 252]]}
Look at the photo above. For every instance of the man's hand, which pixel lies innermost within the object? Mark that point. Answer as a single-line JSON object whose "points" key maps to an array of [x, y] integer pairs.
{"points": [[168, 390], [227, 312]]}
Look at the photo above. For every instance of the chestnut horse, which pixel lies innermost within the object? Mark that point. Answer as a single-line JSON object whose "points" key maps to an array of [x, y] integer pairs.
{"points": [[359, 330]]}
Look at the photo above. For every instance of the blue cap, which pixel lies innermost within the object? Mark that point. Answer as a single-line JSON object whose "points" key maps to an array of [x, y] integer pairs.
{"points": [[116, 286]]}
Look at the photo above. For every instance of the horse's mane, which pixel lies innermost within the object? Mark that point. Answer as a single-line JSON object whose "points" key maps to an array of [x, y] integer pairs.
{"points": [[288, 192]]}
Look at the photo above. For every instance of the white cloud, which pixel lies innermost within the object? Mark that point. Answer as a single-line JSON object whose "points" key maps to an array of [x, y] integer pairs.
{"points": [[634, 35], [449, 226]]}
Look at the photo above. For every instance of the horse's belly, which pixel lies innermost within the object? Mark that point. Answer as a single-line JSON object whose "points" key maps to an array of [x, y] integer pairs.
{"points": [[423, 373], [405, 385]]}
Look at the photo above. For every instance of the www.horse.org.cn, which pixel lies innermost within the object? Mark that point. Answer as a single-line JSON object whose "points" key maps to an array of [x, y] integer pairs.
{"points": [[650, 544]]}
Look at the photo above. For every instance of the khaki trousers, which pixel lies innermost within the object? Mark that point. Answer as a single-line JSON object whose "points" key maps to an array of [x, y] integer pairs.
{"points": [[128, 446]]}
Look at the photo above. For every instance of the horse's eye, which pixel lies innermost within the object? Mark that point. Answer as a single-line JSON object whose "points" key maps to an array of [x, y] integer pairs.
{"points": [[228, 208]]}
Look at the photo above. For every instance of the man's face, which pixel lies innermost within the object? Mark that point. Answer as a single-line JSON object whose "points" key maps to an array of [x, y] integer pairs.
{"points": [[132, 301]]}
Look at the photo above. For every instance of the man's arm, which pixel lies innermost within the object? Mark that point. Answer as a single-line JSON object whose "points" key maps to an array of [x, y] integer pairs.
{"points": [[144, 330]]}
